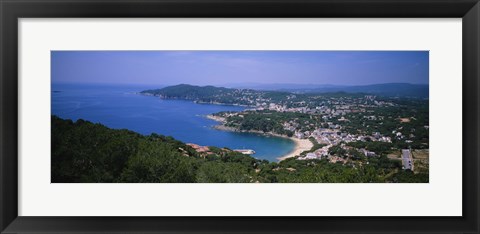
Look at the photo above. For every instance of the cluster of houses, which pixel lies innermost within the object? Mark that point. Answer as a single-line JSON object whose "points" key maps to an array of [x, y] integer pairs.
{"points": [[335, 108], [331, 137], [332, 107], [334, 135], [330, 133], [317, 154], [199, 148], [324, 153], [332, 110]]}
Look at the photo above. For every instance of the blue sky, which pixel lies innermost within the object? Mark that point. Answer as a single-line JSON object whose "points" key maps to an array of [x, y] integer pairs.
{"points": [[237, 67]]}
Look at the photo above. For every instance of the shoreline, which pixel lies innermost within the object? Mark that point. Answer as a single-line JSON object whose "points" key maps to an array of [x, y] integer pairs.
{"points": [[194, 101], [300, 144]]}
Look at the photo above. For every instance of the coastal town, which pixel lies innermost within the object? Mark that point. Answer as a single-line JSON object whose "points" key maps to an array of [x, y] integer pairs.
{"points": [[337, 127]]}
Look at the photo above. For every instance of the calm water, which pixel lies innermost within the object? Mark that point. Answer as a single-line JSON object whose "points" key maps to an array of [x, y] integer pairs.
{"points": [[119, 107]]}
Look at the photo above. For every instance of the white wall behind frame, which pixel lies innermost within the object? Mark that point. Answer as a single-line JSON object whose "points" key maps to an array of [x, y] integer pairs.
{"points": [[441, 197]]}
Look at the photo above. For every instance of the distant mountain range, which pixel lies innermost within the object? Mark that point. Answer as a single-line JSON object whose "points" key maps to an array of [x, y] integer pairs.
{"points": [[387, 89]]}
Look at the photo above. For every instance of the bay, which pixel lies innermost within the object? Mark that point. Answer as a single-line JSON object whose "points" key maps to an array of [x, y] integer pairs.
{"points": [[120, 107]]}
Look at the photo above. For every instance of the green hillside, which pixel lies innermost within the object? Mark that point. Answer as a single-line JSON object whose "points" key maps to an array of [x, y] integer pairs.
{"points": [[189, 92]]}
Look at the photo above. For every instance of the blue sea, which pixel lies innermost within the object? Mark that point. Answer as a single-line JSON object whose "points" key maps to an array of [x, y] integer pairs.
{"points": [[120, 107]]}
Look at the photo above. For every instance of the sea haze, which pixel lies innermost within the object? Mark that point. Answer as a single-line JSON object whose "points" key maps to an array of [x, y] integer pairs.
{"points": [[119, 107]]}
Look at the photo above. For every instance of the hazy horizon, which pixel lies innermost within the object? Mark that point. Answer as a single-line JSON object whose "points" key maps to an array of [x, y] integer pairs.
{"points": [[231, 68], [225, 85]]}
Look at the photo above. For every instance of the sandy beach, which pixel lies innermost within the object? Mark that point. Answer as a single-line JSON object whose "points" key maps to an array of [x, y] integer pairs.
{"points": [[300, 146]]}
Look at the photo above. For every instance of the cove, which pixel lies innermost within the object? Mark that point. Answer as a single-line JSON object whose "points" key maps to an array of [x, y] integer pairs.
{"points": [[120, 107]]}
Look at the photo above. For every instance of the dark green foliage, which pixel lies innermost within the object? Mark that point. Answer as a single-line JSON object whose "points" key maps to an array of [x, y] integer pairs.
{"points": [[157, 162], [378, 147], [321, 171], [269, 121], [83, 151], [384, 162], [217, 172], [184, 91], [416, 110], [409, 177], [205, 94], [337, 150]]}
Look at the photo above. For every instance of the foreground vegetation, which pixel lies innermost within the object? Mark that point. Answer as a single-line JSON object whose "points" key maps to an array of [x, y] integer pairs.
{"points": [[84, 152]]}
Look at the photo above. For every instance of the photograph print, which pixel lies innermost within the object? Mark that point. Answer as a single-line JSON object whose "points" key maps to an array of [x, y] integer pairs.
{"points": [[240, 116]]}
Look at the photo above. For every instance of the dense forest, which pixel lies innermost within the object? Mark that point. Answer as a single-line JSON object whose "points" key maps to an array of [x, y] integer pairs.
{"points": [[85, 152], [189, 92]]}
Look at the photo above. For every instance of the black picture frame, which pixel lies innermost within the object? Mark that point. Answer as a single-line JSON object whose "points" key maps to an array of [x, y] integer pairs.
{"points": [[12, 10]]}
